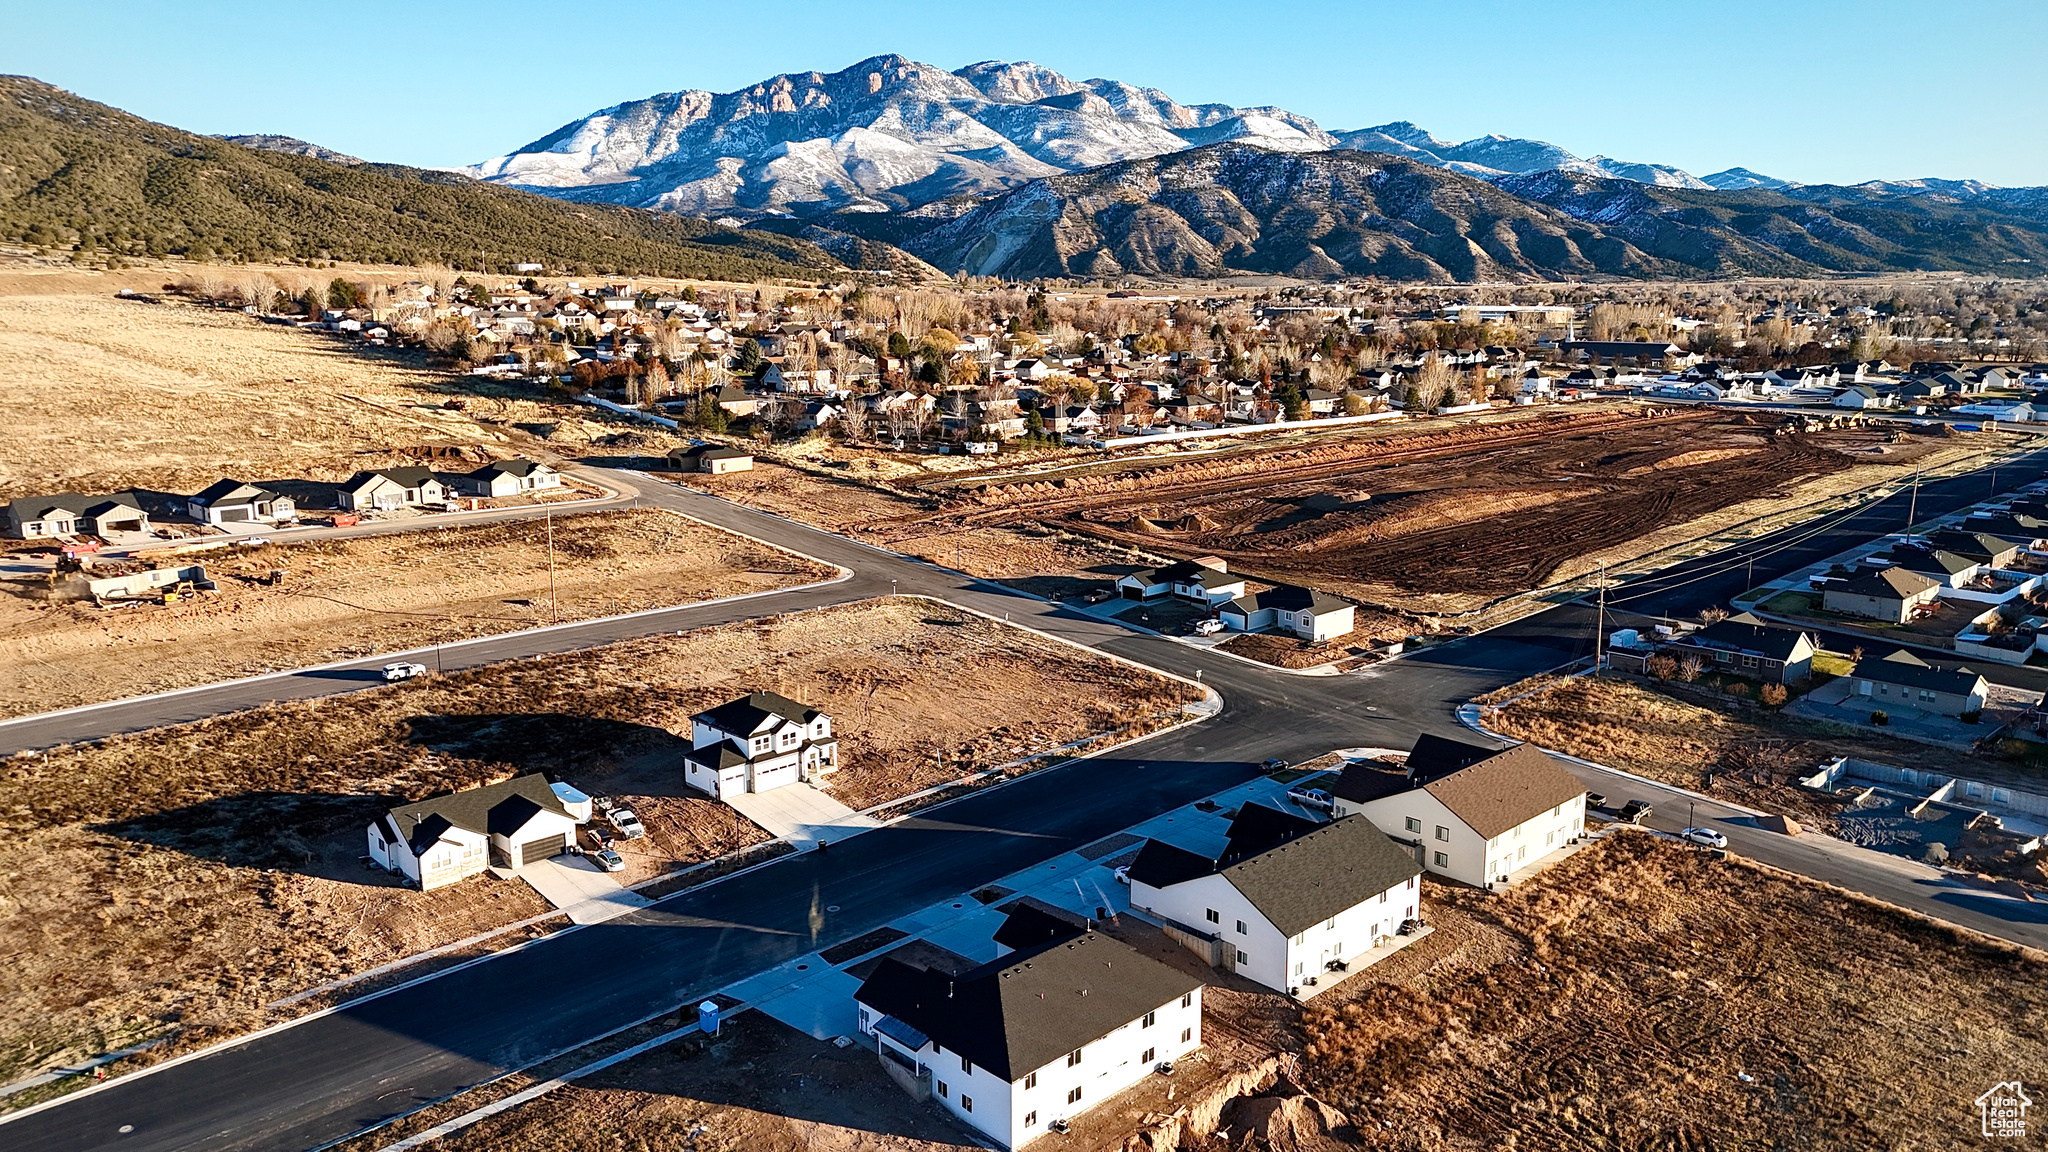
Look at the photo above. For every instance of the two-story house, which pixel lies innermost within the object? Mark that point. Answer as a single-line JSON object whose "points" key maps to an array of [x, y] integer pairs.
{"points": [[760, 741], [1474, 814], [1287, 899], [1038, 1035]]}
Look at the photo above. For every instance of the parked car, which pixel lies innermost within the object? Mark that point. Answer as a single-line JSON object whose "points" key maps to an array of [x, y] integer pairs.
{"points": [[605, 859], [1704, 837], [403, 671], [628, 824], [1595, 800], [1208, 627], [1314, 798], [1097, 597], [598, 838], [1633, 812], [1272, 764]]}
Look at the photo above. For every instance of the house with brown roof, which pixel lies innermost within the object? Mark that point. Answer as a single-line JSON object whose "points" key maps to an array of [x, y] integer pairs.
{"points": [[1891, 594], [1467, 812]]}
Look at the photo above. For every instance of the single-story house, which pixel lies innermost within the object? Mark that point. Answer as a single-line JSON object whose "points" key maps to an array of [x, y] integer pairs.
{"points": [[1206, 581], [1891, 594], [711, 458], [1307, 613], [1471, 813], [68, 513], [507, 478], [1986, 550], [233, 502], [736, 401], [1933, 563], [389, 488], [758, 742], [1641, 351], [2023, 527], [438, 841], [1037, 1035], [1285, 899], [1746, 645], [1861, 396], [1903, 680]]}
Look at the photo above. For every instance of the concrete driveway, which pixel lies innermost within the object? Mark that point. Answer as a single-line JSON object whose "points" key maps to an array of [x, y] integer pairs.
{"points": [[802, 814], [577, 887]]}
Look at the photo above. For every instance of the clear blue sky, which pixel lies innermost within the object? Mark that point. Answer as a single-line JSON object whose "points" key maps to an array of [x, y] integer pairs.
{"points": [[1819, 92]]}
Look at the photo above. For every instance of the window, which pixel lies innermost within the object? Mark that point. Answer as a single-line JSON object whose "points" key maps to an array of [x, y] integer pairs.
{"points": [[1383, 897], [1242, 958], [1073, 1057], [965, 1066], [1331, 926], [1073, 1096], [1301, 939], [1187, 1000], [967, 1103], [1550, 838], [1187, 1034], [1031, 1119], [1149, 1054], [1414, 825], [1241, 930], [1518, 833], [1031, 1081], [942, 1089], [1442, 861], [1443, 833], [1214, 918], [1411, 883], [1556, 810], [1522, 853], [1147, 1019]]}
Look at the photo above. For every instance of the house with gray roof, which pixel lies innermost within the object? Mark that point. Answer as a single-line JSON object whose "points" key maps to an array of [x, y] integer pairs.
{"points": [[389, 489], [760, 741], [1892, 594], [71, 513], [1205, 580], [230, 501], [506, 478], [1470, 813], [1287, 899], [1903, 680], [443, 839], [1307, 613], [1041, 1034]]}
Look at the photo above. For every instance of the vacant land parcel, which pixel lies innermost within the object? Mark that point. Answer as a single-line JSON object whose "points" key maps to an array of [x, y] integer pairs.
{"points": [[195, 874], [1452, 518], [341, 598]]}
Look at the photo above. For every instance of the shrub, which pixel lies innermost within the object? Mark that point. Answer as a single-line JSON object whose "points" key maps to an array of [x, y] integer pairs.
{"points": [[1880, 719], [1937, 853], [1774, 695], [1662, 667], [1736, 688]]}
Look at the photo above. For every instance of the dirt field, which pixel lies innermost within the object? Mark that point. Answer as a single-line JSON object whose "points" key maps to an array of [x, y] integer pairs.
{"points": [[1445, 519], [1751, 754], [1641, 996], [357, 596], [198, 873]]}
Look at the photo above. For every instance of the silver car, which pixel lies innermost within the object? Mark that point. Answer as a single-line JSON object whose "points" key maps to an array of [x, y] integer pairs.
{"points": [[1704, 837]]}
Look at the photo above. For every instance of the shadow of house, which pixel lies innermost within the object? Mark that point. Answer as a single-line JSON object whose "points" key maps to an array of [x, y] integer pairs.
{"points": [[306, 494], [555, 743], [311, 833]]}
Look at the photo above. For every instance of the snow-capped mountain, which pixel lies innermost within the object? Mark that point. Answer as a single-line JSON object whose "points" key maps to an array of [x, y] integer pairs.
{"points": [[1737, 179]]}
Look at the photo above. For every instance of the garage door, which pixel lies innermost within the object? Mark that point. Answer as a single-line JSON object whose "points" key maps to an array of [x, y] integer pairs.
{"points": [[1131, 593], [775, 778], [543, 848], [227, 514]]}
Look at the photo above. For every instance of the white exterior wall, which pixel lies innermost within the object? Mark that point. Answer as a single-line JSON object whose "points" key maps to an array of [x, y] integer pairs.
{"points": [[1352, 932], [458, 855], [1536, 837], [1190, 903], [1468, 856], [1109, 1064]]}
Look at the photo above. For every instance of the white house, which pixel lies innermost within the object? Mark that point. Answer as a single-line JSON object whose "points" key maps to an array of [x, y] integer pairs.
{"points": [[1479, 815], [392, 488], [232, 502], [507, 478], [1861, 396], [758, 742], [32, 517], [1040, 1034], [444, 839], [1205, 581], [1305, 612], [1287, 899]]}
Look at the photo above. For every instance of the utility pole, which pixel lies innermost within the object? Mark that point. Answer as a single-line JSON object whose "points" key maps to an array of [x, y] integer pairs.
{"points": [[1913, 506], [1600, 620], [554, 610]]}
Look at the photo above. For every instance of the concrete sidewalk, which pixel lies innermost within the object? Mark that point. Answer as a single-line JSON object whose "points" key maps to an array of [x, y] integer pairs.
{"points": [[802, 814], [577, 887]]}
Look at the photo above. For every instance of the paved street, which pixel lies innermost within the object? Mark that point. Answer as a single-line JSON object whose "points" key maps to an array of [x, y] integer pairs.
{"points": [[310, 1084]]}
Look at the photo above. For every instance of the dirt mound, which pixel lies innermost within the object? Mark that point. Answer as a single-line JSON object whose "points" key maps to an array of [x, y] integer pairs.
{"points": [[1692, 460], [1784, 825], [1285, 1119]]}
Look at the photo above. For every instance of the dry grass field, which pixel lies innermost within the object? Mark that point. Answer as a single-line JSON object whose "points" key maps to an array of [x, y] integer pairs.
{"points": [[195, 874], [355, 596]]}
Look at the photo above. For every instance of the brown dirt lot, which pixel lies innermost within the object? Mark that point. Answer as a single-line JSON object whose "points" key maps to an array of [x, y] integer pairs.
{"points": [[1620, 1000], [1466, 514], [356, 596], [197, 873]]}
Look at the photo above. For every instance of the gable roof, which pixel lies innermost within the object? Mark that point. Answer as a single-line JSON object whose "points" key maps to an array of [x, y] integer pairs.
{"points": [[1032, 923], [1295, 871], [77, 504], [1289, 598], [476, 810], [230, 489], [1745, 633], [1887, 584], [411, 476], [1502, 790], [1024, 1010], [755, 711], [520, 468], [1434, 756], [1979, 546], [1909, 671], [1928, 560]]}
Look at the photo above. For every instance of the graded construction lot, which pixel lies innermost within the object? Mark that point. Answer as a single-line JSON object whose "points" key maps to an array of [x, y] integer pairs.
{"points": [[1451, 519], [1636, 996], [347, 597], [192, 875]]}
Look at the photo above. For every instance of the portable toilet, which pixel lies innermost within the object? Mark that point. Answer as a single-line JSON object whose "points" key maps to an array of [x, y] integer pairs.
{"points": [[707, 1017]]}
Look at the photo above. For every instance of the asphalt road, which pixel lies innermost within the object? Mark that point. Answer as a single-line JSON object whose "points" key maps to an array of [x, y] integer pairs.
{"points": [[333, 1075]]}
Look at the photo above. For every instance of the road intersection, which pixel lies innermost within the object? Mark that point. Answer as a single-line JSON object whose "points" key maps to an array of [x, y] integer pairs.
{"points": [[374, 1059]]}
